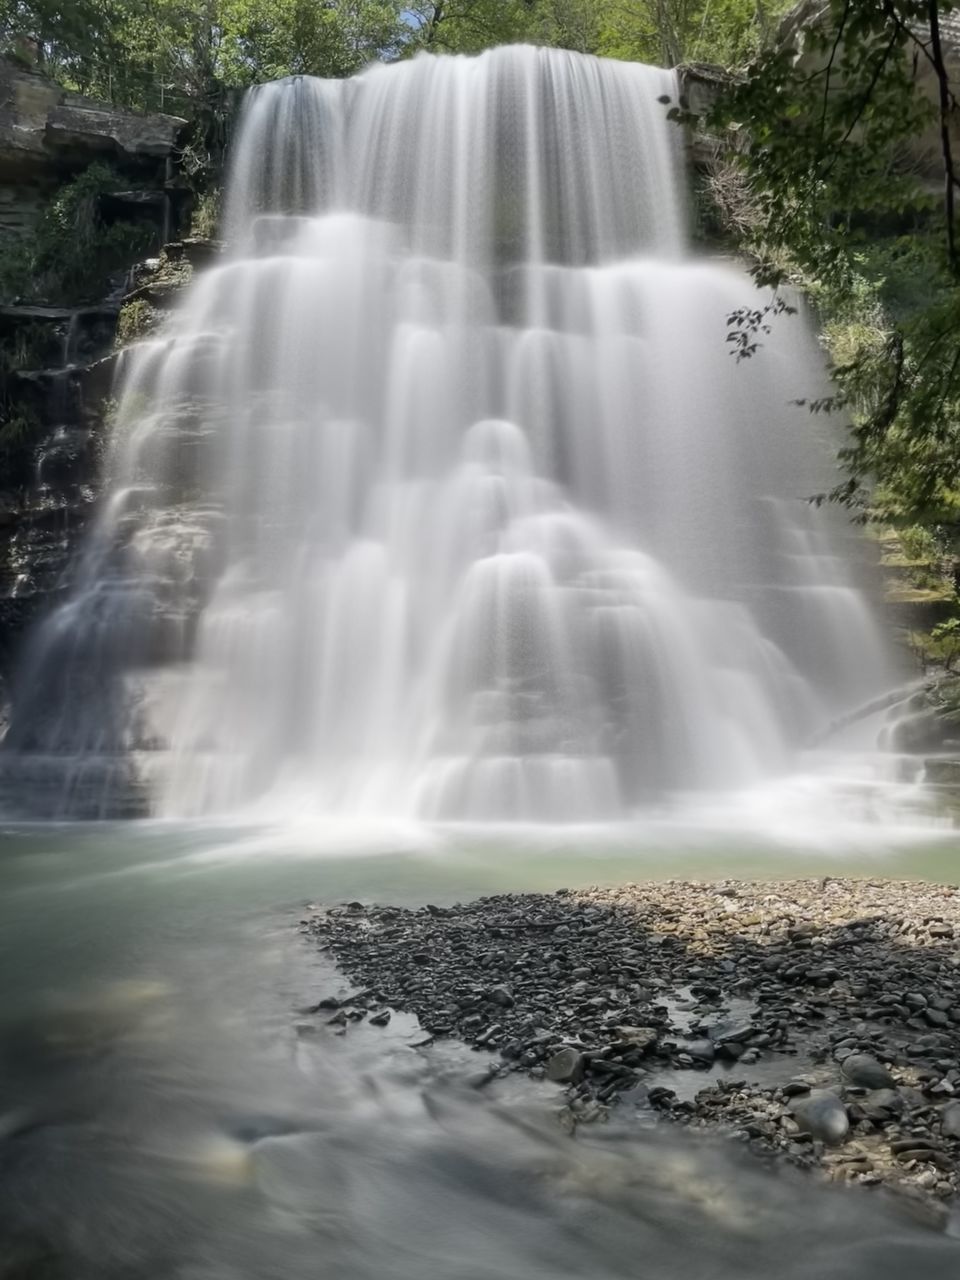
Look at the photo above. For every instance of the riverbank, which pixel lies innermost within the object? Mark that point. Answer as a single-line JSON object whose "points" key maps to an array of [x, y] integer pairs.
{"points": [[815, 1021]]}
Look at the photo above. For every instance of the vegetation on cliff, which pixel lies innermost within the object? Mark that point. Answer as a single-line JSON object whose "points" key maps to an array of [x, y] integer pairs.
{"points": [[72, 249], [839, 168]]}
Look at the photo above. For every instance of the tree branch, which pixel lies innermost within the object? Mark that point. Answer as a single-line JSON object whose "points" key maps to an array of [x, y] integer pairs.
{"points": [[829, 67], [950, 180]]}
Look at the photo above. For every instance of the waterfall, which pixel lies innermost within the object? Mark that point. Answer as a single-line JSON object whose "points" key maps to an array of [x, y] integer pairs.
{"points": [[442, 497]]}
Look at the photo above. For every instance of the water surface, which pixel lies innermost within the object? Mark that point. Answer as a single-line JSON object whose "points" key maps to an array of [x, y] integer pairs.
{"points": [[168, 1110]]}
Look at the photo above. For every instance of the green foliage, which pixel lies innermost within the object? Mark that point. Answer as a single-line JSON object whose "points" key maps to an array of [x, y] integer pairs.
{"points": [[135, 321], [182, 55], [659, 31], [675, 31], [264, 39], [841, 142], [69, 253], [939, 646], [177, 55], [919, 544], [205, 221]]}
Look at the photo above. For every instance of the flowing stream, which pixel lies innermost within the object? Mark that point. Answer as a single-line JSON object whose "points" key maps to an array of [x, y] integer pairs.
{"points": [[442, 498], [167, 1112]]}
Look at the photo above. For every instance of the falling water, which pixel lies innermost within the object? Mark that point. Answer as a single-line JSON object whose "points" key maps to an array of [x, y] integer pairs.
{"points": [[442, 496]]}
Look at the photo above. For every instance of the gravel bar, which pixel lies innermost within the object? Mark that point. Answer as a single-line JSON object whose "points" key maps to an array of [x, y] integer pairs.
{"points": [[817, 1021]]}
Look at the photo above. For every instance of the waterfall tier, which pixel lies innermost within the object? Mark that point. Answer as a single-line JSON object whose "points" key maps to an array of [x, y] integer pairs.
{"points": [[442, 497]]}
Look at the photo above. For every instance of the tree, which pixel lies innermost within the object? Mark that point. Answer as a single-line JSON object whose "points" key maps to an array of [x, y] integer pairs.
{"points": [[843, 143], [469, 26], [671, 32], [172, 54], [660, 31]]}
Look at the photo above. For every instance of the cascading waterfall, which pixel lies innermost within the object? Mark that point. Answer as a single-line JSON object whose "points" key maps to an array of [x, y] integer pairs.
{"points": [[442, 496]]}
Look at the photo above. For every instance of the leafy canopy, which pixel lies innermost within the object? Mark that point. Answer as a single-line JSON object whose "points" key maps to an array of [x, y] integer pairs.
{"points": [[841, 142]]}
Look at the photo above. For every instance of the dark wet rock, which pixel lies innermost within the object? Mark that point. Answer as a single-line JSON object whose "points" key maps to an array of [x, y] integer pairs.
{"points": [[733, 1031], [881, 1104], [566, 1067], [902, 1145], [795, 1088], [502, 996], [731, 1050], [864, 1070], [950, 1120], [700, 1050], [611, 994], [924, 1155]]}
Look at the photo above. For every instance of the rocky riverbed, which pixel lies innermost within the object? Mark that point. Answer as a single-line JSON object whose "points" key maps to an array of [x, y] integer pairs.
{"points": [[816, 1021]]}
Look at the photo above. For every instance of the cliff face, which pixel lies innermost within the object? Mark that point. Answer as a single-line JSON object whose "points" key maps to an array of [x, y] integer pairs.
{"points": [[48, 135], [56, 362]]}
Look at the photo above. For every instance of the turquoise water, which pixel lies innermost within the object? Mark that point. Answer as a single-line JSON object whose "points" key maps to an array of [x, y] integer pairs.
{"points": [[168, 1110]]}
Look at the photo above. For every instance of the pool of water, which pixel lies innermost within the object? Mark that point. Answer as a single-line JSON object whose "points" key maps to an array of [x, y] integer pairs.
{"points": [[167, 1110]]}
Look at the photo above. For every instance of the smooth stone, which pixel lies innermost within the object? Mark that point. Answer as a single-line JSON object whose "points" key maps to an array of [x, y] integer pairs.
{"points": [[566, 1067], [887, 1100], [731, 1050], [899, 1146], [700, 1050], [823, 1116], [795, 1088], [863, 1070], [640, 1037], [733, 1031], [950, 1120], [502, 996]]}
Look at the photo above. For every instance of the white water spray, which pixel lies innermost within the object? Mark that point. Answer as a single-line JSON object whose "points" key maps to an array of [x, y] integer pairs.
{"points": [[442, 497]]}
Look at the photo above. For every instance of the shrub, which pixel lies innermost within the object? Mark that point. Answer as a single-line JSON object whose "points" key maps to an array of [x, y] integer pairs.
{"points": [[71, 251]]}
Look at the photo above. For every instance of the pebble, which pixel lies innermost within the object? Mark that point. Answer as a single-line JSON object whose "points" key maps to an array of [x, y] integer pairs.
{"points": [[609, 992]]}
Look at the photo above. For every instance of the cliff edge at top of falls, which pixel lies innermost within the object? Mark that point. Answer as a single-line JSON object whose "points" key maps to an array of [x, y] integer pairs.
{"points": [[44, 126]]}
